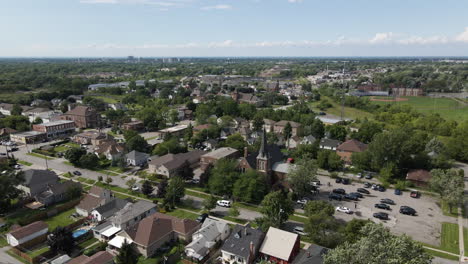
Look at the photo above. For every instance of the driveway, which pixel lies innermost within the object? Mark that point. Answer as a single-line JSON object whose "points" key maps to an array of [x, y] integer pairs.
{"points": [[7, 259]]}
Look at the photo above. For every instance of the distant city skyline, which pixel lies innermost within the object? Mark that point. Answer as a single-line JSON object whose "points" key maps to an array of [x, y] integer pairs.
{"points": [[229, 28]]}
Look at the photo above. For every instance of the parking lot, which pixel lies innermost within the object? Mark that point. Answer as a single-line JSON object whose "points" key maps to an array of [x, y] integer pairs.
{"points": [[424, 227]]}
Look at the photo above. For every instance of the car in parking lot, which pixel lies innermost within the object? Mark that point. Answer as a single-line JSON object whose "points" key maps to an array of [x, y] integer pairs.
{"points": [[359, 175], [338, 180], [339, 191], [381, 215], [362, 190], [223, 203], [344, 210], [387, 201], [357, 194], [77, 173], [397, 192], [407, 210], [302, 202], [381, 188], [316, 183], [415, 194], [368, 176], [135, 188], [349, 196], [17, 166], [345, 181], [335, 196], [382, 206], [299, 230], [367, 185]]}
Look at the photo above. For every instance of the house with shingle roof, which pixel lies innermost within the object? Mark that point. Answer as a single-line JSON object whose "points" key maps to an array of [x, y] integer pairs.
{"points": [[169, 164], [242, 245], [132, 213], [110, 149], [152, 232], [136, 158], [57, 192], [330, 144], [95, 198], [419, 177], [37, 181], [107, 210], [296, 128], [101, 257], [280, 246], [211, 232], [27, 233], [347, 148], [83, 116]]}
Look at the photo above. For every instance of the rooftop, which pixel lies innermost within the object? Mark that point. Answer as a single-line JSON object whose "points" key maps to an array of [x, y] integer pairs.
{"points": [[58, 122], [279, 243], [220, 153], [173, 129]]}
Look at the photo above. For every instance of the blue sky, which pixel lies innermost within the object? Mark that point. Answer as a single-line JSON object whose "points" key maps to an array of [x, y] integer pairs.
{"points": [[103, 28]]}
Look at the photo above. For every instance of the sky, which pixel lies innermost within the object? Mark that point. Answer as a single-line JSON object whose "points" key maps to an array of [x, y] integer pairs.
{"points": [[232, 28]]}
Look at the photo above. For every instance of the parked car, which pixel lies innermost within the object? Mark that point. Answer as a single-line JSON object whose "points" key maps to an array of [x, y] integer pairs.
{"points": [[344, 210], [335, 196], [368, 176], [14, 149], [302, 201], [345, 181], [381, 215], [397, 192], [387, 201], [382, 206], [338, 180], [135, 188], [359, 175], [316, 183], [223, 203], [359, 195], [407, 210], [339, 191], [362, 190], [77, 173], [381, 188], [351, 197], [201, 218], [17, 166], [367, 185], [299, 230], [374, 186], [415, 194]]}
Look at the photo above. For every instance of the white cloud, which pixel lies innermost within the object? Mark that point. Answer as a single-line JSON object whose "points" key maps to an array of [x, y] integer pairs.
{"points": [[463, 37], [217, 7], [382, 37]]}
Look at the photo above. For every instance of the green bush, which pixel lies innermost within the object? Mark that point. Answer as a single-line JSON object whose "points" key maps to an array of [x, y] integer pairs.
{"points": [[334, 175], [401, 185]]}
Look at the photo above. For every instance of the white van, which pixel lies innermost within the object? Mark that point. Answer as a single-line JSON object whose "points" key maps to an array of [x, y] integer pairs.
{"points": [[223, 203]]}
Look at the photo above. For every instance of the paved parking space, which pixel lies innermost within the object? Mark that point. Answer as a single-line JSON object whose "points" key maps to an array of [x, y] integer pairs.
{"points": [[424, 227]]}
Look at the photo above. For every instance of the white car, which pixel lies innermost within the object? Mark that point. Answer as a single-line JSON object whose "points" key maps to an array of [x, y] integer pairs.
{"points": [[223, 203], [135, 188], [344, 209], [17, 167], [302, 201], [299, 230]]}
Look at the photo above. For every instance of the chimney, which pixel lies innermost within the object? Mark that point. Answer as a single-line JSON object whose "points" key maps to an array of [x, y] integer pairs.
{"points": [[246, 151], [245, 231], [251, 252]]}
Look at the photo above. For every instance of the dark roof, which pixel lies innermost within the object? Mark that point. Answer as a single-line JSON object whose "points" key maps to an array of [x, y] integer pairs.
{"points": [[312, 255], [29, 229], [81, 111], [63, 187], [238, 243], [419, 175], [32, 177], [329, 142], [273, 151], [111, 207], [284, 122], [352, 145], [174, 161], [100, 257]]}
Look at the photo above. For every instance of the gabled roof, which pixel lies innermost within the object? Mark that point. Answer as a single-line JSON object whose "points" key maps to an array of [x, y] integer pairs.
{"points": [[29, 229], [238, 243], [419, 175], [284, 122], [81, 110], [89, 202], [110, 208], [110, 147], [352, 145], [274, 153], [174, 161], [101, 257], [279, 243], [329, 142], [136, 155], [33, 177], [130, 211]]}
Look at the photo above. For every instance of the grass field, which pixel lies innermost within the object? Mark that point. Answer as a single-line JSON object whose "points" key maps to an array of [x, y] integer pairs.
{"points": [[449, 238], [37, 155], [446, 107], [61, 219], [25, 163], [183, 214], [446, 209], [38, 252], [465, 239], [440, 254], [349, 112]]}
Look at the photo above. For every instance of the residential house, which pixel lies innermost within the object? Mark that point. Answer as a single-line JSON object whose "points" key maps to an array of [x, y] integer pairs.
{"points": [[268, 125], [56, 192], [420, 178], [293, 142], [296, 128], [242, 245], [6, 131], [211, 232], [117, 106], [55, 129], [45, 114], [37, 181], [329, 144], [101, 257], [136, 158], [95, 198], [347, 148], [83, 116], [27, 233], [222, 153], [248, 98], [210, 143], [107, 210], [110, 149], [279, 246], [312, 255], [136, 125], [28, 137], [91, 137], [132, 213], [199, 128], [154, 231], [170, 164], [407, 91], [308, 140]]}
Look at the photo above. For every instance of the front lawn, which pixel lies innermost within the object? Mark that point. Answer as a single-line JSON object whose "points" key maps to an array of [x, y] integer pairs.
{"points": [[25, 163], [449, 238], [87, 243], [465, 239], [61, 219], [40, 156], [440, 254], [183, 214]]}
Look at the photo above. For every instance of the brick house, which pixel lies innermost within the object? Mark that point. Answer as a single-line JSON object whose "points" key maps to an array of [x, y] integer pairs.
{"points": [[83, 116], [347, 148]]}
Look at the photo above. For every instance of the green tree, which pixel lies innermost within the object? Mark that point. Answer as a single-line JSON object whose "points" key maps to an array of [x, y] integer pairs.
{"points": [[210, 203], [317, 129], [301, 176], [162, 188], [37, 120], [367, 131], [173, 116], [319, 207], [100, 178], [147, 188], [74, 155], [109, 180], [276, 208], [287, 131], [127, 254], [89, 161], [73, 192], [236, 141], [16, 110], [323, 229], [61, 241], [8, 191], [258, 123], [337, 132], [137, 143], [234, 212], [188, 133], [352, 231], [378, 245], [175, 191], [449, 184], [251, 187], [130, 183], [223, 176]]}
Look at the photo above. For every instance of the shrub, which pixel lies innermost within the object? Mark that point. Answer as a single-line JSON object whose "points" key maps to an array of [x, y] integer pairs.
{"points": [[401, 185]]}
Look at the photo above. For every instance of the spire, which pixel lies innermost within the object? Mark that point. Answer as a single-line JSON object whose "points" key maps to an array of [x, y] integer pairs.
{"points": [[263, 148]]}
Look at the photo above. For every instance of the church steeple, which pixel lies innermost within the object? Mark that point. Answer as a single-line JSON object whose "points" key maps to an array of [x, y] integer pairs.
{"points": [[263, 157]]}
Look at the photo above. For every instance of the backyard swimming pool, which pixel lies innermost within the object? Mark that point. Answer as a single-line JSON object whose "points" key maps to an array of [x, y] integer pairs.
{"points": [[79, 233]]}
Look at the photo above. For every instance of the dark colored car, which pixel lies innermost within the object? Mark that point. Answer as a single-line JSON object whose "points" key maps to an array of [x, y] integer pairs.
{"points": [[362, 190], [339, 191], [345, 181], [397, 192], [351, 197], [201, 218], [407, 210], [387, 201], [415, 194], [381, 188], [367, 185], [368, 176], [335, 196], [77, 173], [338, 180], [382, 206], [359, 195], [381, 216]]}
